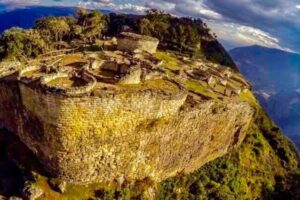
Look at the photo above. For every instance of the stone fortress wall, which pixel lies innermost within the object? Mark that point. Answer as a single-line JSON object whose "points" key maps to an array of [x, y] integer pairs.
{"points": [[70, 133], [10, 102], [81, 132], [91, 133]]}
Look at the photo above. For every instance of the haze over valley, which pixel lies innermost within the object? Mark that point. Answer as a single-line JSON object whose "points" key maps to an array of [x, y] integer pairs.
{"points": [[275, 77]]}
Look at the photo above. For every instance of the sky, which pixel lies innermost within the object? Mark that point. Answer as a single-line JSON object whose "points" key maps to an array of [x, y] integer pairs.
{"points": [[270, 23]]}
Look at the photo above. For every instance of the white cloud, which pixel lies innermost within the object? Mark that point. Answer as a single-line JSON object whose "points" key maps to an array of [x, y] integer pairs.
{"points": [[241, 35], [129, 8], [105, 1], [192, 8], [14, 4], [125, 8], [19, 2], [274, 19], [167, 6]]}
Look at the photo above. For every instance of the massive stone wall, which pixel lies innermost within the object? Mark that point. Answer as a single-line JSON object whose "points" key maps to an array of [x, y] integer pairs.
{"points": [[75, 133], [116, 138], [9, 105], [201, 134], [10, 101]]}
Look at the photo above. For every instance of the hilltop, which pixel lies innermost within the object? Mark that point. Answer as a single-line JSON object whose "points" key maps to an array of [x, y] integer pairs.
{"points": [[120, 107]]}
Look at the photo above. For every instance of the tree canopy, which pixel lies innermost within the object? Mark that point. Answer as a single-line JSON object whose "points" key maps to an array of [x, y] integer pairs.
{"points": [[18, 44]]}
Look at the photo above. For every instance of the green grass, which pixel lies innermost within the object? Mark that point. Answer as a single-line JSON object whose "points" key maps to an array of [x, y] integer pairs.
{"points": [[170, 62], [160, 84], [249, 97], [199, 87]]}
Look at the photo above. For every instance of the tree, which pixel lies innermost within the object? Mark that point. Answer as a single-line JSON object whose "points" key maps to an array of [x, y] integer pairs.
{"points": [[182, 36], [59, 27], [54, 28], [145, 26], [117, 22], [12, 42], [93, 23], [156, 24], [19, 44]]}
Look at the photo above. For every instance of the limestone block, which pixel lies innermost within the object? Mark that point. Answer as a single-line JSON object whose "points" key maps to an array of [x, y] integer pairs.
{"points": [[133, 77], [212, 81], [132, 42], [96, 64]]}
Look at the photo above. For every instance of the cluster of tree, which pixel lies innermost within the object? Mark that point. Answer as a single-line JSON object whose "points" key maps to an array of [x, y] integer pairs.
{"points": [[85, 25], [185, 35], [176, 33], [19, 44], [52, 32]]}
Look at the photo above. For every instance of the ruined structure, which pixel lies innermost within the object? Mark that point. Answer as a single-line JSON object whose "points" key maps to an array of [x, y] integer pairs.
{"points": [[115, 116], [130, 41]]}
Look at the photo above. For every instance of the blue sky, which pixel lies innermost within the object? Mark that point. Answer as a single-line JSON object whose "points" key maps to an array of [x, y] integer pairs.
{"points": [[271, 23]]}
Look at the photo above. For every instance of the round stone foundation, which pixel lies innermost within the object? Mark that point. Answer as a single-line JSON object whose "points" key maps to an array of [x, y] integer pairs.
{"points": [[68, 84]]}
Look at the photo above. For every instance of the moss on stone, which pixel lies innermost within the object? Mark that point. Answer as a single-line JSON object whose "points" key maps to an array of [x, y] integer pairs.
{"points": [[169, 61], [199, 87]]}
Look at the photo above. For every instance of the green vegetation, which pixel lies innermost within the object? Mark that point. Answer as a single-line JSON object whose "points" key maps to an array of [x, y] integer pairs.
{"points": [[185, 35], [152, 84], [52, 33], [215, 52], [19, 44], [199, 87], [168, 60]]}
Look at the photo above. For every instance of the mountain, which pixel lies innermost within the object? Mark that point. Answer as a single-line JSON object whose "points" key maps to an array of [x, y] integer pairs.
{"points": [[275, 77], [26, 17]]}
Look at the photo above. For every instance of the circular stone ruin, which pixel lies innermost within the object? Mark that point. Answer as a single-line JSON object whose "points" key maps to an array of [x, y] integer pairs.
{"points": [[71, 85], [31, 73]]}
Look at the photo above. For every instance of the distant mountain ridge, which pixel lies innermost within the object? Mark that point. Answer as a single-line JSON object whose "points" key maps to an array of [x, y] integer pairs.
{"points": [[26, 17], [275, 76]]}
